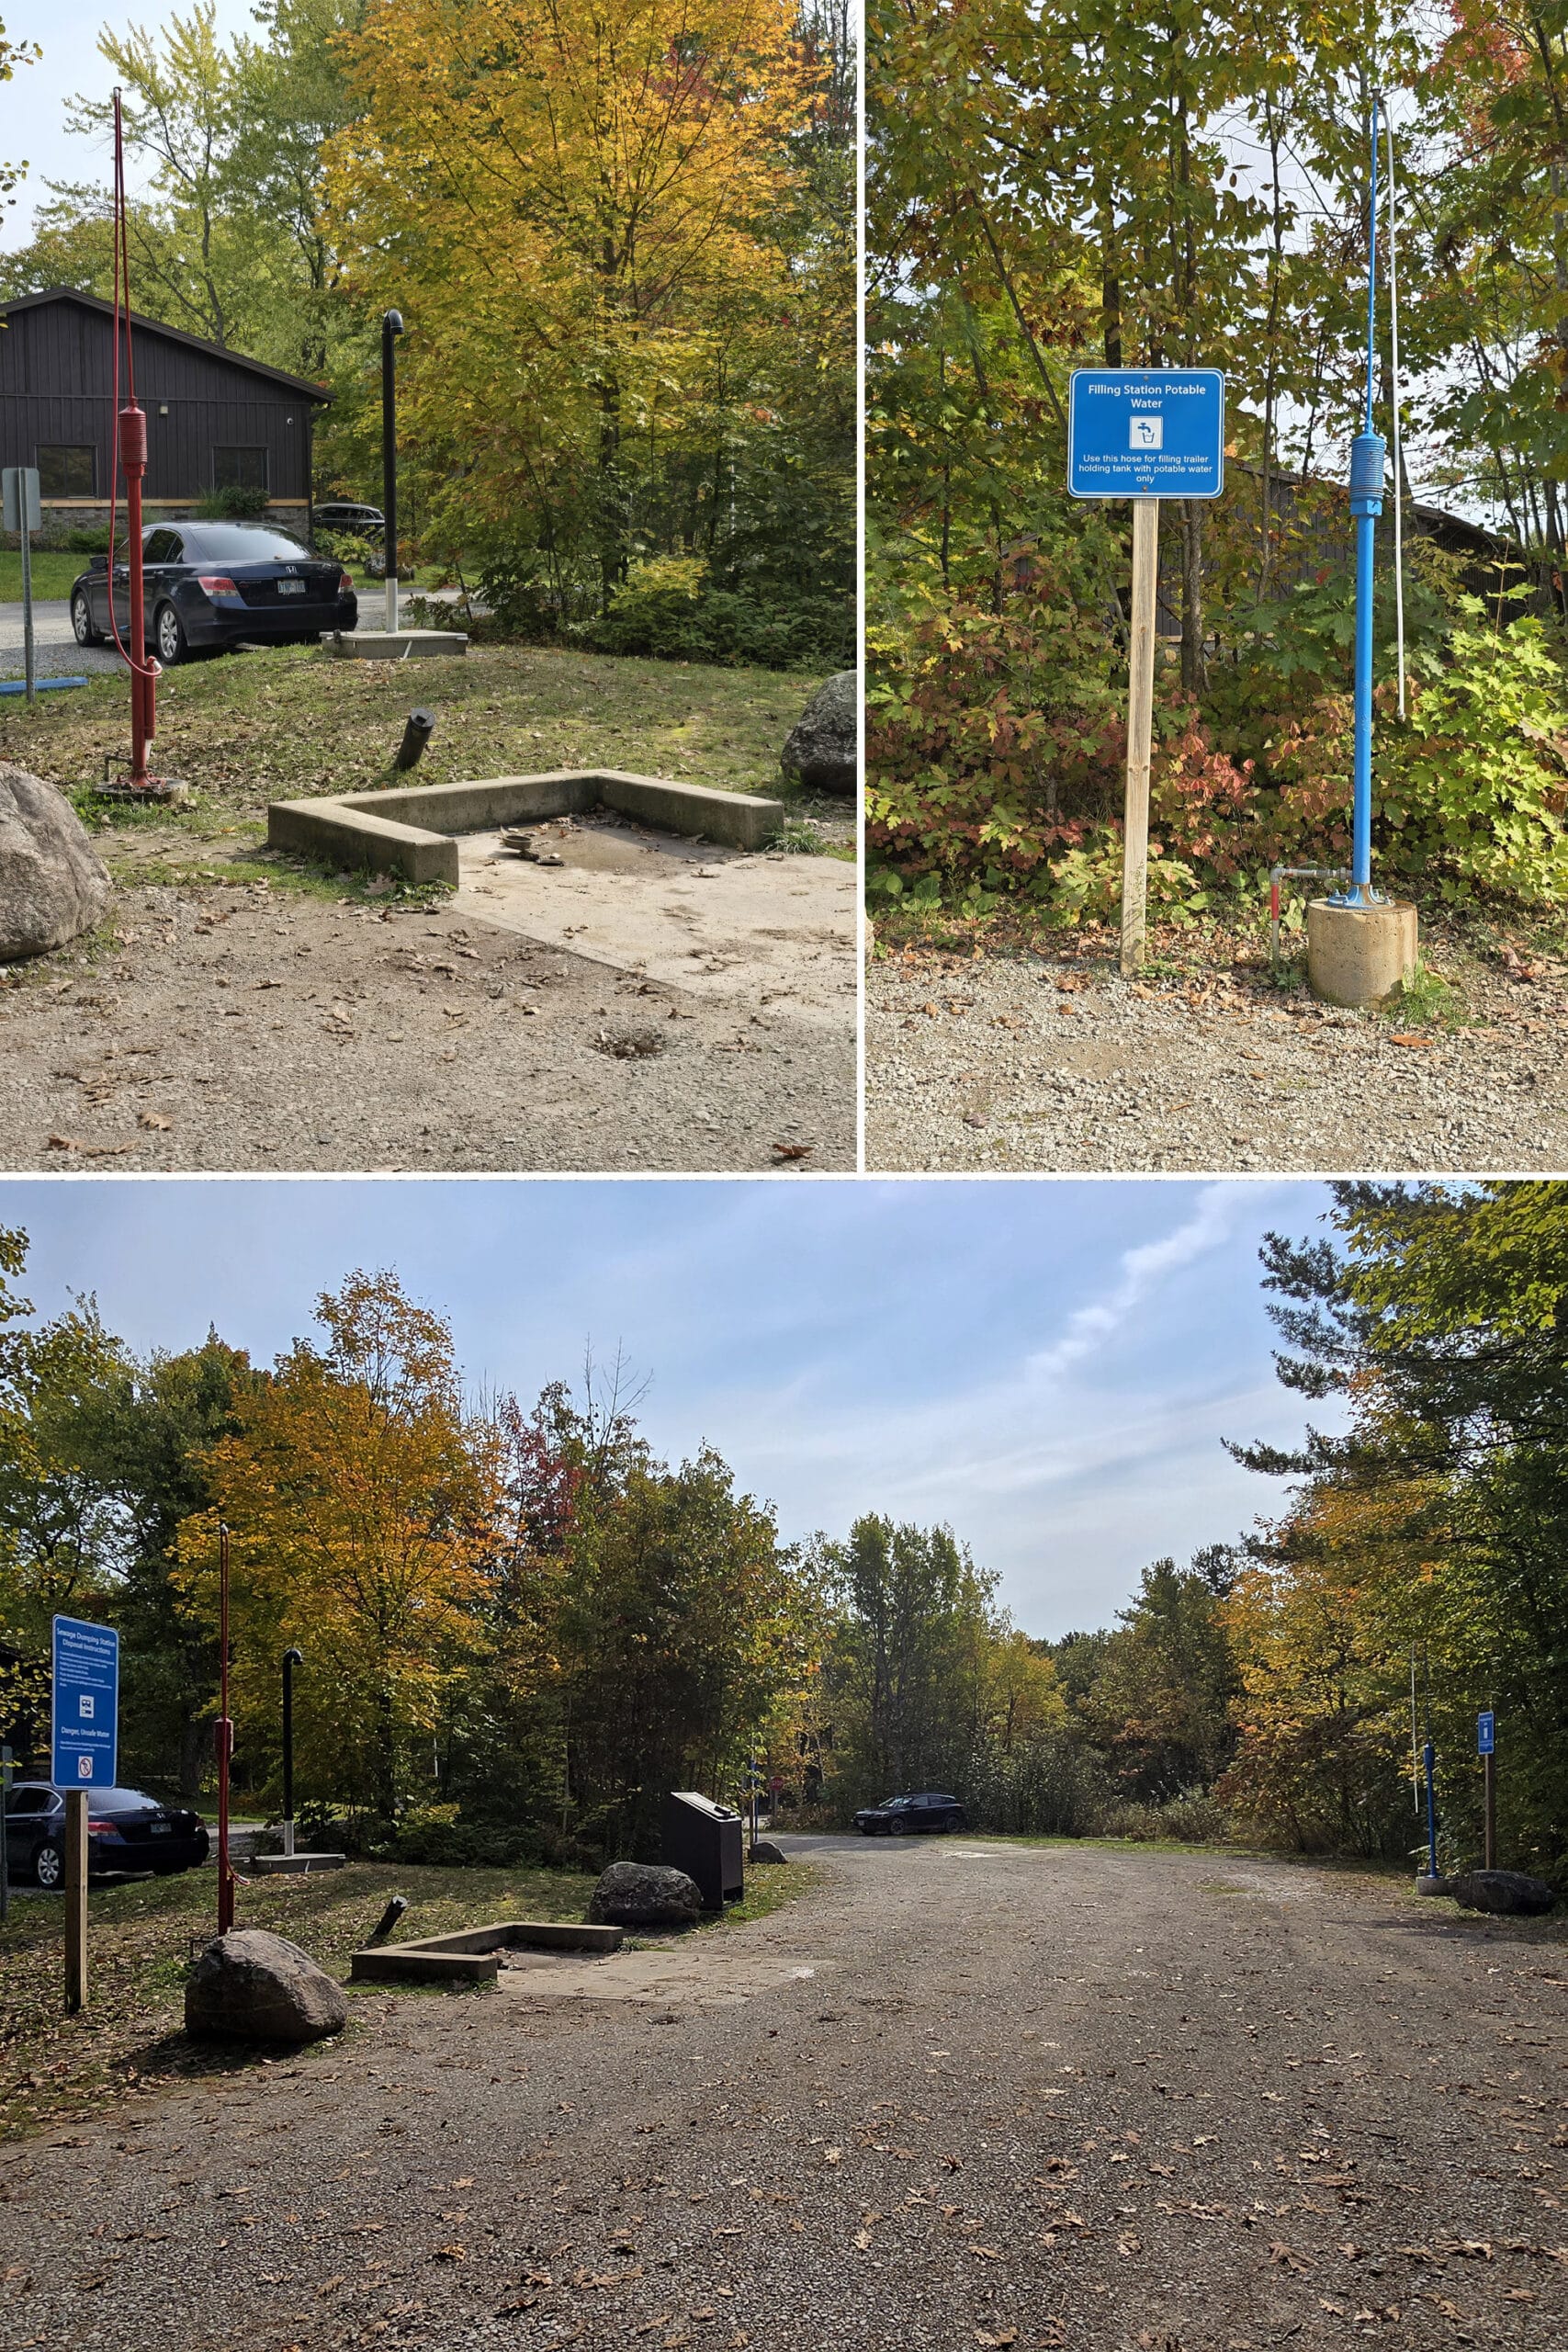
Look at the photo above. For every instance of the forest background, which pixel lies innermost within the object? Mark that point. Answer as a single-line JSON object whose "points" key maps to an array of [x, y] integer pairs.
{"points": [[622, 240], [520, 1627], [1183, 184]]}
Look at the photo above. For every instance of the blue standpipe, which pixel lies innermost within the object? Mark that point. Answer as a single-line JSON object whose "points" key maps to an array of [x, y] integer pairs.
{"points": [[1429, 1763], [1367, 453]]}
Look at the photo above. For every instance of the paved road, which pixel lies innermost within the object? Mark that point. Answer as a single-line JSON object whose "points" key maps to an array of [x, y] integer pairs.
{"points": [[1029, 2097]]}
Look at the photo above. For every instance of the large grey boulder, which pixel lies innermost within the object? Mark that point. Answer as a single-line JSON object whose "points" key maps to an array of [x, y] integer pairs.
{"points": [[820, 748], [52, 882], [1509, 1893], [251, 1987], [765, 1851], [644, 1895]]}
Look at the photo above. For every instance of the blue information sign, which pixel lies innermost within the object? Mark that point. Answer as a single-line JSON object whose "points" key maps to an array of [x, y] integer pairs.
{"points": [[87, 1703], [1146, 432], [1486, 1733]]}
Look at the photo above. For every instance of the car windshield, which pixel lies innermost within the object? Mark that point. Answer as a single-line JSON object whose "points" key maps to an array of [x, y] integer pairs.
{"points": [[892, 1804], [241, 543]]}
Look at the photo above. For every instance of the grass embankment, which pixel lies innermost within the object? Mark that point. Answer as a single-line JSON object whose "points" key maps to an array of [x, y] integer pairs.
{"points": [[142, 1937], [53, 572], [249, 727]]}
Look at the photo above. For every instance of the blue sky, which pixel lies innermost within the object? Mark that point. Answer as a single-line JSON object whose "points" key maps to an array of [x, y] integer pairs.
{"points": [[32, 104], [1048, 1366]]}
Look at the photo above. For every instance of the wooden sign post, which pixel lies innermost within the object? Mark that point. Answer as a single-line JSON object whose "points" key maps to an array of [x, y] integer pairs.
{"points": [[1143, 434], [1140, 733], [75, 1900]]}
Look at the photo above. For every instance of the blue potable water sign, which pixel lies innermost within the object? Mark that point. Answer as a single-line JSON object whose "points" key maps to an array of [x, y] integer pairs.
{"points": [[1143, 434], [87, 1703], [1146, 432], [1486, 1733]]}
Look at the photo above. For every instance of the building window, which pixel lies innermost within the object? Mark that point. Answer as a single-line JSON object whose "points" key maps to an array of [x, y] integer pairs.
{"points": [[65, 473], [239, 470]]}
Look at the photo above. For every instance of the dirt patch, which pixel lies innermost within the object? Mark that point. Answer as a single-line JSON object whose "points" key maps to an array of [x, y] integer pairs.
{"points": [[252, 1028], [1045, 1059], [773, 931]]}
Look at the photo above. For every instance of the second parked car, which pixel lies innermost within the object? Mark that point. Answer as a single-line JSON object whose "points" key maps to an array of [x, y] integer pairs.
{"points": [[212, 584], [897, 1817], [126, 1831]]}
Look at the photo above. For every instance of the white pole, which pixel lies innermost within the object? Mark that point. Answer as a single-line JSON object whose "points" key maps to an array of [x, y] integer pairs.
{"points": [[1140, 731], [28, 663]]}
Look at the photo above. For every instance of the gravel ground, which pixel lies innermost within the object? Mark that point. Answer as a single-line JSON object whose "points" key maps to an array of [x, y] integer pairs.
{"points": [[56, 653], [1114, 2100], [240, 1028], [1051, 1061]]}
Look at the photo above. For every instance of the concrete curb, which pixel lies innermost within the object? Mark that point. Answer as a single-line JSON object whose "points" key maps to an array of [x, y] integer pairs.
{"points": [[470, 1955], [386, 645], [413, 830]]}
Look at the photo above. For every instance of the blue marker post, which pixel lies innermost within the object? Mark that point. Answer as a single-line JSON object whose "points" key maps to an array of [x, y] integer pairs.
{"points": [[1360, 946]]}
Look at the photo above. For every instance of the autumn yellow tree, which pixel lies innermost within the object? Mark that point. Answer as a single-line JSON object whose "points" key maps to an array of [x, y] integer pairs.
{"points": [[576, 205], [361, 1499]]}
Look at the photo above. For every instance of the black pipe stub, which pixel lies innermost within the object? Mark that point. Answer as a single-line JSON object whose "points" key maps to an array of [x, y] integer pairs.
{"points": [[387, 1922], [416, 735]]}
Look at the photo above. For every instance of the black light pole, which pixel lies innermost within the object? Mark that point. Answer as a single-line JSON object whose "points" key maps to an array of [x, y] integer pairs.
{"points": [[291, 1658], [391, 327]]}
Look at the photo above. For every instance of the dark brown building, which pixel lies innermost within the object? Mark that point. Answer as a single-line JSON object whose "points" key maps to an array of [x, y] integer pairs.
{"points": [[213, 417]]}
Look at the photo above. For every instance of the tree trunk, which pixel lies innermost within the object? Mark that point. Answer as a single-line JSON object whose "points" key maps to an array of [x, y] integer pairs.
{"points": [[1194, 672]]}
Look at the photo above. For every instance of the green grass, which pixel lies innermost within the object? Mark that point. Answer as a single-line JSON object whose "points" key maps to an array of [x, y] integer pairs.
{"points": [[53, 572], [247, 728], [1428, 1001]]}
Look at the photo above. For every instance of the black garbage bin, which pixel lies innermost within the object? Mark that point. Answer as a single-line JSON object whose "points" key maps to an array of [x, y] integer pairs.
{"points": [[704, 1840]]}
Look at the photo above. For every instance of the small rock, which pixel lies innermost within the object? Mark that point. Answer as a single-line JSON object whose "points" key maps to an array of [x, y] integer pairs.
{"points": [[53, 884], [764, 1850], [820, 748], [1509, 1893], [644, 1895], [251, 1987]]}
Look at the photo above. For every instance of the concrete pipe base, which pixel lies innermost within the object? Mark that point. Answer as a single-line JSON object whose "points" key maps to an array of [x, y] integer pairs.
{"points": [[1358, 955]]}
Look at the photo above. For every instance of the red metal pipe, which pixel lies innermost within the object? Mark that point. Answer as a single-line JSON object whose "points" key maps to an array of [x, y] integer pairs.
{"points": [[225, 1737], [130, 433]]}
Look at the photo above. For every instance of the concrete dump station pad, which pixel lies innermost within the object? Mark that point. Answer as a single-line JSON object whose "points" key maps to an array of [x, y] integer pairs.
{"points": [[558, 1960], [674, 881]]}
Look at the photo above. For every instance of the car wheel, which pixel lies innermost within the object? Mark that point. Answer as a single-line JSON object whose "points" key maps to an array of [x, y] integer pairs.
{"points": [[897, 1829], [49, 1867], [82, 620], [169, 635]]}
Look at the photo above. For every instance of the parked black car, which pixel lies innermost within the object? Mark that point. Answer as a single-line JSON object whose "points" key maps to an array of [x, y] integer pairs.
{"points": [[346, 514], [126, 1831], [897, 1816], [212, 584]]}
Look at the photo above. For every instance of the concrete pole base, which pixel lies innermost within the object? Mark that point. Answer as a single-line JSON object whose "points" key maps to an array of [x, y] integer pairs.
{"points": [[1426, 1885], [1358, 955]]}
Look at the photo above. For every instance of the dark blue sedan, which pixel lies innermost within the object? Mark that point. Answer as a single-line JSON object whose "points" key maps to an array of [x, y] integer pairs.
{"points": [[211, 585], [126, 1831]]}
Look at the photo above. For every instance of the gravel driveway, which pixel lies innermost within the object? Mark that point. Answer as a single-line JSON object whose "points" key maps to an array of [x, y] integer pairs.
{"points": [[239, 1028], [1085, 2097], [1057, 1063]]}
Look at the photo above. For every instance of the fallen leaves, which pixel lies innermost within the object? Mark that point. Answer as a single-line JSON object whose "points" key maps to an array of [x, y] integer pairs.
{"points": [[90, 1150]]}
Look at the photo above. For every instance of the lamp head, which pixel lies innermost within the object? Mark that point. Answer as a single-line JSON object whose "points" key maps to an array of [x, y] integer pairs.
{"points": [[393, 322]]}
